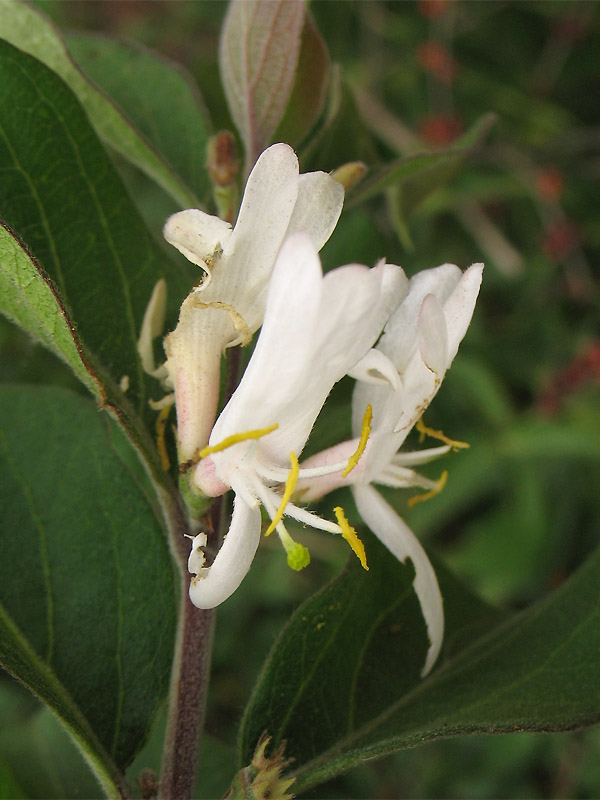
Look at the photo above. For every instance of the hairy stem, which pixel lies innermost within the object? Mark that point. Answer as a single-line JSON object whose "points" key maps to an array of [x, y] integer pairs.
{"points": [[189, 682], [193, 646]]}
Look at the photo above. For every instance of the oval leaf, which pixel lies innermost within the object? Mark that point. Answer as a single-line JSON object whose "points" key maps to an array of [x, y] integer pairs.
{"points": [[62, 197], [28, 29], [310, 86], [87, 592], [30, 300], [258, 57], [159, 97], [342, 682]]}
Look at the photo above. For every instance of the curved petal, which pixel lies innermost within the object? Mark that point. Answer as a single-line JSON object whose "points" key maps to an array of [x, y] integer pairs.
{"points": [[395, 534], [433, 336], [248, 257], [315, 330], [152, 325], [374, 367], [216, 583], [400, 338], [318, 207], [279, 364], [355, 303], [459, 307], [196, 234]]}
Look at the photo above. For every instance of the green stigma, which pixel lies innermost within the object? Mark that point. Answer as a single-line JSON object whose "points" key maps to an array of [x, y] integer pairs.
{"points": [[298, 556]]}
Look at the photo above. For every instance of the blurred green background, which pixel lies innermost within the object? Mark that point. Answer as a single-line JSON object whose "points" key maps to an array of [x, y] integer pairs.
{"points": [[522, 507]]}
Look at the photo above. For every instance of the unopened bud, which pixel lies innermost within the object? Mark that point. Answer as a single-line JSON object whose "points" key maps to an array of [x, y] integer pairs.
{"points": [[262, 779], [221, 159], [349, 175]]}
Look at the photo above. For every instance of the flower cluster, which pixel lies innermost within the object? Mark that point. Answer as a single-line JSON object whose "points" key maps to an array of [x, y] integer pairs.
{"points": [[395, 337]]}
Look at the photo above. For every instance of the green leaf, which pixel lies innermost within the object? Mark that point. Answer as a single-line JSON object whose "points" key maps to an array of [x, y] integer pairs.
{"points": [[342, 682], [419, 175], [87, 598], [63, 199], [260, 43], [310, 86], [159, 97], [30, 300], [29, 30]]}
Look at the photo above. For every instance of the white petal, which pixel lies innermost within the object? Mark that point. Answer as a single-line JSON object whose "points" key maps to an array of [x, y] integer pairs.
{"points": [[314, 331], [375, 367], [400, 338], [222, 578], [459, 307], [318, 207], [152, 325], [197, 235], [401, 542], [433, 336], [278, 368], [197, 558], [355, 303], [267, 207]]}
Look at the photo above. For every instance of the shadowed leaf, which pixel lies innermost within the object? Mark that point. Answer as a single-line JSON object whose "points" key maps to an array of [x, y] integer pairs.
{"points": [[87, 599], [258, 56]]}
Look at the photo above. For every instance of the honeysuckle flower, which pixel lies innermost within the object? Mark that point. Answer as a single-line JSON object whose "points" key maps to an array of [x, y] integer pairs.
{"points": [[227, 307], [315, 329], [396, 382]]}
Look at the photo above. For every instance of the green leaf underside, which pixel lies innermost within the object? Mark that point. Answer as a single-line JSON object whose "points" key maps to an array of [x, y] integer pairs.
{"points": [[28, 29], [30, 300], [158, 96], [420, 174], [259, 50], [62, 197], [342, 684], [86, 589], [308, 95]]}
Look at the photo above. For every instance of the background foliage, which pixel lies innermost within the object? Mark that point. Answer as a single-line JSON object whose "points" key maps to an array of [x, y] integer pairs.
{"points": [[521, 509]]}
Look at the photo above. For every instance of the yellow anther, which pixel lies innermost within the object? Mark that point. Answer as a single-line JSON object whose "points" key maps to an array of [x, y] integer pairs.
{"points": [[425, 431], [236, 438], [290, 485], [351, 536], [159, 425], [364, 436], [420, 498]]}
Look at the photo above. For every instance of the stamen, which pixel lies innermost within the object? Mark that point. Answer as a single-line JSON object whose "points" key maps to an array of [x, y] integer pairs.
{"points": [[238, 322], [159, 425], [351, 536], [167, 400], [364, 436], [308, 518], [236, 438], [290, 485], [425, 431], [403, 477], [420, 498]]}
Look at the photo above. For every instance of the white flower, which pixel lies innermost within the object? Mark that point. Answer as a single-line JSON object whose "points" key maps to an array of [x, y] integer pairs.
{"points": [[397, 381], [228, 306], [315, 329]]}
